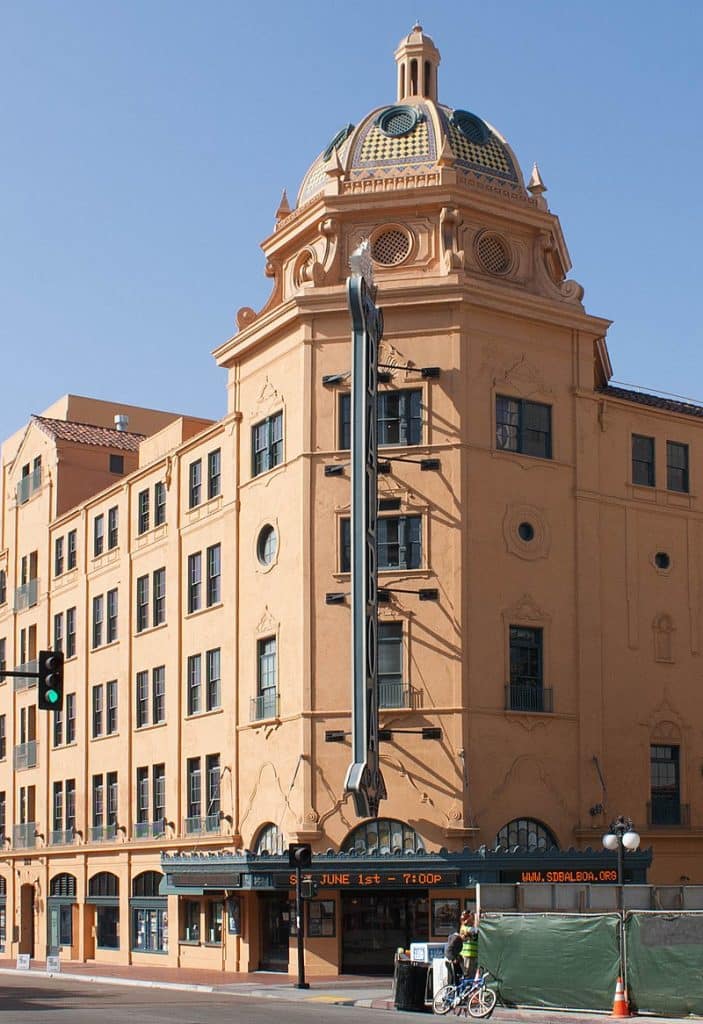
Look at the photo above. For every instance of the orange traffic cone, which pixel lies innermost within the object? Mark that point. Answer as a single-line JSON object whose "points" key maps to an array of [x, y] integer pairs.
{"points": [[620, 1007]]}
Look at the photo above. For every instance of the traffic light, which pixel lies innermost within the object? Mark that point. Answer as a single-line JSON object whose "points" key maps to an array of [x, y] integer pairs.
{"points": [[308, 889], [300, 855], [50, 680]]}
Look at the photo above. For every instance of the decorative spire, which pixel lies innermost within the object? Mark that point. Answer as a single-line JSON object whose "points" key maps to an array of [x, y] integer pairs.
{"points": [[535, 185], [283, 208], [417, 58]]}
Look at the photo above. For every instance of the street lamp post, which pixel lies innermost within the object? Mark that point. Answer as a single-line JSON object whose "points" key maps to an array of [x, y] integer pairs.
{"points": [[621, 837]]}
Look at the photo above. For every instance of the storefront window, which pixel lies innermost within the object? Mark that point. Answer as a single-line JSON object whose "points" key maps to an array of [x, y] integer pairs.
{"points": [[107, 922], [190, 921], [214, 921], [150, 930]]}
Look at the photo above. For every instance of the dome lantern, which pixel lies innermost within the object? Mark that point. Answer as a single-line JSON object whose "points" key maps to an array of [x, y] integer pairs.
{"points": [[417, 58]]}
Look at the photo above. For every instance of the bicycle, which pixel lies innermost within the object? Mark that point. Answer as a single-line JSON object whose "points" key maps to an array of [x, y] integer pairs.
{"points": [[470, 996]]}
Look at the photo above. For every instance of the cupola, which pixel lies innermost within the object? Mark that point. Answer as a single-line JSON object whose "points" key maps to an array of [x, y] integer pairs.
{"points": [[417, 58]]}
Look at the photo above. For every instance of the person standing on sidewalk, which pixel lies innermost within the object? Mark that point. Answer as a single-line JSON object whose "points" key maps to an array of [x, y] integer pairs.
{"points": [[452, 955], [469, 948]]}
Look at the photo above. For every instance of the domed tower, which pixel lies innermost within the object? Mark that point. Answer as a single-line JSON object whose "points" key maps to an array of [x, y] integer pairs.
{"points": [[486, 343]]}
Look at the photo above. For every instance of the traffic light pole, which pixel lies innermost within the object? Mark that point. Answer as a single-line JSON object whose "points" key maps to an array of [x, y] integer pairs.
{"points": [[301, 983]]}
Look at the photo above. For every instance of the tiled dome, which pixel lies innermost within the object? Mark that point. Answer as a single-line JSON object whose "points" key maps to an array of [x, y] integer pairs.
{"points": [[411, 136]]}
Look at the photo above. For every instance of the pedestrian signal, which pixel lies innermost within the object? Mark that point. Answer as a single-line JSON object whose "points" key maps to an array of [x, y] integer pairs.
{"points": [[50, 681]]}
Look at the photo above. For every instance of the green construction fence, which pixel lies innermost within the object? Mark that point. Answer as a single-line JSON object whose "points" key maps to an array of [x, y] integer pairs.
{"points": [[664, 962]]}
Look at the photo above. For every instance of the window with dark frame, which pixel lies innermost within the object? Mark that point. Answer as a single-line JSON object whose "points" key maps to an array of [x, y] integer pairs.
{"points": [[159, 794], [111, 783], [3, 587], [267, 444], [142, 603], [57, 739], [195, 476], [58, 631], [214, 481], [97, 704], [70, 718], [643, 460], [112, 527], [142, 796], [526, 692], [665, 796], [399, 418], [194, 788], [70, 789], [70, 632], [399, 542], [72, 552], [194, 684], [58, 556], [142, 697], [111, 707], [212, 681], [98, 801], [390, 665], [213, 562], [111, 636], [98, 535], [116, 463], [98, 613], [143, 511], [159, 609], [677, 467], [158, 692], [524, 427], [195, 574], [57, 822], [159, 503], [266, 678]]}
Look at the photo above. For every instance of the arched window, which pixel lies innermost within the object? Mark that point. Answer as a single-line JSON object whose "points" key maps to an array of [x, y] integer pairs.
{"points": [[527, 833], [63, 885], [270, 840], [383, 835], [147, 884], [104, 884]]}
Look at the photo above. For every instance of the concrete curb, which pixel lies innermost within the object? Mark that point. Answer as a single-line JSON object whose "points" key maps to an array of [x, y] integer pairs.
{"points": [[103, 980]]}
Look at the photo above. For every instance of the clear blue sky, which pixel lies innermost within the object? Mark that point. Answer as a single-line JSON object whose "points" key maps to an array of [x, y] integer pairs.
{"points": [[145, 144]]}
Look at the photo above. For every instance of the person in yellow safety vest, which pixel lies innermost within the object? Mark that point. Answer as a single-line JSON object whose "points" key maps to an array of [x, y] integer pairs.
{"points": [[469, 949]]}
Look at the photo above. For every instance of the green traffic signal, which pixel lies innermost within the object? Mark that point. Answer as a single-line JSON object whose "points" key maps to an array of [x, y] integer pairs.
{"points": [[50, 679]]}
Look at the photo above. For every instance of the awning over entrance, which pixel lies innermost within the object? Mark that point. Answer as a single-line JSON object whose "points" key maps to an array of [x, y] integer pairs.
{"points": [[195, 874]]}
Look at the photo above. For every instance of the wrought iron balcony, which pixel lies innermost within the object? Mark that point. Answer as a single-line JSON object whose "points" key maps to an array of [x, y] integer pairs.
{"points": [[25, 755], [528, 696], [24, 837], [28, 485], [61, 837], [27, 595], [24, 683], [264, 706], [201, 825], [396, 694], [665, 810], [102, 833], [149, 829]]}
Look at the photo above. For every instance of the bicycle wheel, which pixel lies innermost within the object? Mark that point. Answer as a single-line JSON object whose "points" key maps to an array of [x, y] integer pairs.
{"points": [[444, 1000], [481, 1002]]}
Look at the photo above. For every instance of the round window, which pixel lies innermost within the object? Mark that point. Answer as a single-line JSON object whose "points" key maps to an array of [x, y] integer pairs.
{"points": [[526, 531], [266, 545], [662, 560], [470, 126], [493, 254], [395, 122], [390, 247]]}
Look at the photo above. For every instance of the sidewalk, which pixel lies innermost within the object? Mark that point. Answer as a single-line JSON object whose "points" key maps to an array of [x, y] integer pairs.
{"points": [[339, 990]]}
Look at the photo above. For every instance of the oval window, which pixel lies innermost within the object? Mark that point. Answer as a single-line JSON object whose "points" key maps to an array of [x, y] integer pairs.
{"points": [[267, 545]]}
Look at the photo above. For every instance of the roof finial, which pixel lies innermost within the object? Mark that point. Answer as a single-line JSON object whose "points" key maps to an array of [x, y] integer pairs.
{"points": [[417, 58], [283, 208], [535, 185]]}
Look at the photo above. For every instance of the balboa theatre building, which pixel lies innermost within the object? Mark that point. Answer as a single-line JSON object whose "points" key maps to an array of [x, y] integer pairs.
{"points": [[540, 548]]}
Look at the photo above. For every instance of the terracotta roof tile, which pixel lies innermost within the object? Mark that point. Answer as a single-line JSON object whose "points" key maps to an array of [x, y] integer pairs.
{"points": [[654, 401], [88, 433]]}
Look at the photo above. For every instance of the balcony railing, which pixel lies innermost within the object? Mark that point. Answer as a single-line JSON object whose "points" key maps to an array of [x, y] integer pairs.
{"points": [[27, 595], [149, 829], [528, 697], [23, 682], [24, 837], [398, 695], [25, 755], [667, 811], [198, 825], [61, 837], [264, 706], [102, 833], [28, 485]]}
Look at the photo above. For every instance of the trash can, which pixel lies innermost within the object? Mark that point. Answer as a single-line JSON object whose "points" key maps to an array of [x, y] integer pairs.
{"points": [[410, 985]]}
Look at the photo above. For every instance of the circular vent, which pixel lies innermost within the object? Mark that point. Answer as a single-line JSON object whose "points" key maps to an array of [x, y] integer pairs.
{"points": [[470, 126], [397, 121], [390, 247], [493, 254]]}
